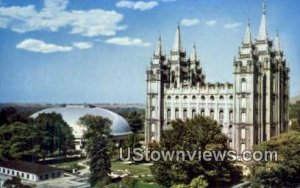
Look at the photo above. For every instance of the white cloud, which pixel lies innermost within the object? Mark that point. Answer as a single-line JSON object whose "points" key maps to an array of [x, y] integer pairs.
{"points": [[138, 5], [54, 16], [55, 5], [211, 22], [232, 25], [189, 22], [82, 45], [35, 45], [126, 41]]}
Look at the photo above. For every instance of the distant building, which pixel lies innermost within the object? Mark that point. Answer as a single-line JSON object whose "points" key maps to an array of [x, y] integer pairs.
{"points": [[71, 115], [251, 110], [29, 171]]}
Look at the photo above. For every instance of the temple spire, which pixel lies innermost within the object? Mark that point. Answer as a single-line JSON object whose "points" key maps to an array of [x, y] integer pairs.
{"points": [[263, 31], [177, 47], [158, 51], [247, 37], [277, 43], [194, 54]]}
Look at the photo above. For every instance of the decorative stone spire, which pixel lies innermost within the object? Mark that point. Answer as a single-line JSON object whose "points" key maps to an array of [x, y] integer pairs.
{"points": [[277, 43], [247, 37], [263, 31], [194, 54], [177, 42], [158, 51]]}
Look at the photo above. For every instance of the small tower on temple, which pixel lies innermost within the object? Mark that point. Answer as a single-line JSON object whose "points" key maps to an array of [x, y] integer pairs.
{"points": [[245, 81], [155, 89]]}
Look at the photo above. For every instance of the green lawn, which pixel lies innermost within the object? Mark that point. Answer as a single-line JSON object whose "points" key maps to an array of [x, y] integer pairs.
{"points": [[141, 184], [68, 166], [137, 170], [134, 169]]}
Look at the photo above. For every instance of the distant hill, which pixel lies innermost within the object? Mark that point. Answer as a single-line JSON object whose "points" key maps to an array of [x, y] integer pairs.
{"points": [[294, 99]]}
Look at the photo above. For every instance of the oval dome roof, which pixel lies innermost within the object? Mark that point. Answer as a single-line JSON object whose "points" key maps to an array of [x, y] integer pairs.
{"points": [[72, 114]]}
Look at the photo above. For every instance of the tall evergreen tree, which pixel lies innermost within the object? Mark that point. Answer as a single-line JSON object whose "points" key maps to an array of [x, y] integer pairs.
{"points": [[135, 121], [98, 147], [55, 132]]}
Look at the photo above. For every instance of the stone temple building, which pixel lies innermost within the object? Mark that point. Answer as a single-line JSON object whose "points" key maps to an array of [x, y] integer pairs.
{"points": [[250, 110]]}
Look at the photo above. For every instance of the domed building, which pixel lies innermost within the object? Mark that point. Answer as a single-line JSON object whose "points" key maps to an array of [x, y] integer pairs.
{"points": [[71, 115]]}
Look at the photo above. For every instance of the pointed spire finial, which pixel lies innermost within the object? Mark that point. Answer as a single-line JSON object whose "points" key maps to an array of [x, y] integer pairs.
{"points": [[178, 25], [158, 51], [177, 42], [264, 10], [277, 43], [263, 31], [247, 37], [194, 53]]}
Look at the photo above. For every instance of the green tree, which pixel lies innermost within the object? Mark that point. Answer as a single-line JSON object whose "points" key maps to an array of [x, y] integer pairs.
{"points": [[132, 141], [19, 141], [15, 182], [198, 182], [55, 133], [10, 115], [98, 148], [294, 113], [191, 135], [285, 172], [135, 121]]}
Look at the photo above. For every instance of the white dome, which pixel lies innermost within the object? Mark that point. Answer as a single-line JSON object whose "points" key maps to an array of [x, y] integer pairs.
{"points": [[72, 114]]}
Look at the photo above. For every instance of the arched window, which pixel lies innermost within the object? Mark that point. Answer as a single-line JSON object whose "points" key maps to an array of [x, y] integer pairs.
{"points": [[185, 98], [168, 114], [203, 98], [152, 127], [221, 97], [230, 97], [177, 97], [193, 113], [153, 115], [243, 117], [244, 102], [230, 115], [212, 98], [185, 114], [173, 76], [169, 97], [221, 115], [243, 85], [202, 113], [243, 133], [212, 114], [153, 100], [176, 113], [194, 97]]}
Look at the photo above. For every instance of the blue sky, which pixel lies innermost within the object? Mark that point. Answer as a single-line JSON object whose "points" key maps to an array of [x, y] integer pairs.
{"points": [[63, 51]]}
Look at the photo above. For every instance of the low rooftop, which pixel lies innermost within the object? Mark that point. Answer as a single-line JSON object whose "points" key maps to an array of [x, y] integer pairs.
{"points": [[28, 167]]}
